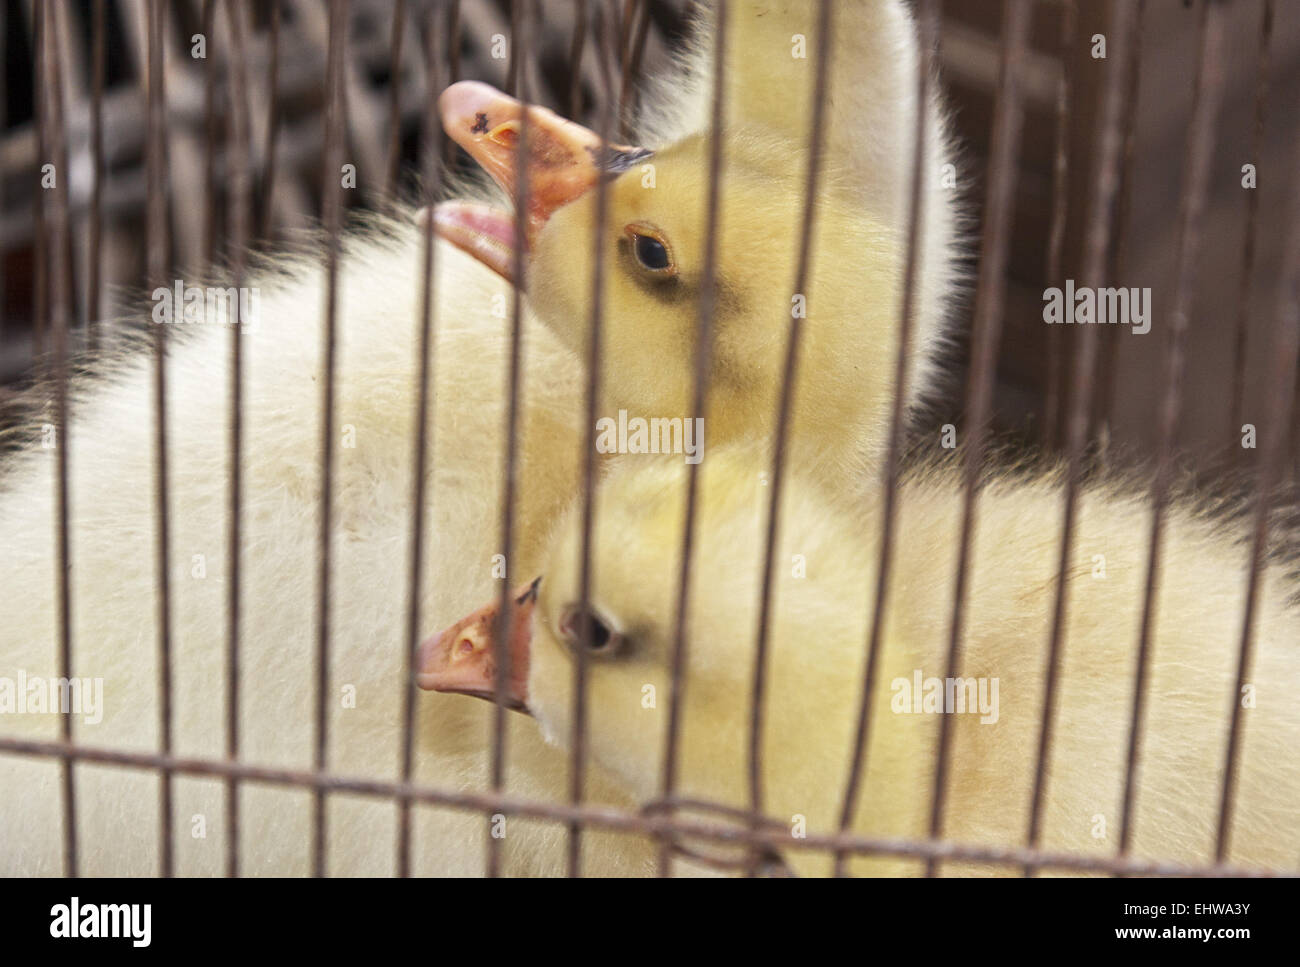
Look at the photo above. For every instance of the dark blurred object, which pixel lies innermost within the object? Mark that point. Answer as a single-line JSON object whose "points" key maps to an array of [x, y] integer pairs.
{"points": [[299, 73], [1131, 370]]}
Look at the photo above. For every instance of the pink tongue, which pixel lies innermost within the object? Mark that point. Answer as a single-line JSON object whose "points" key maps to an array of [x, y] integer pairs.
{"points": [[480, 219]]}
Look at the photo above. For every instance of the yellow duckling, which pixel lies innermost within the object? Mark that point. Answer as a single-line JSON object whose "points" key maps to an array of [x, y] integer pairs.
{"points": [[826, 560], [114, 589], [655, 231]]}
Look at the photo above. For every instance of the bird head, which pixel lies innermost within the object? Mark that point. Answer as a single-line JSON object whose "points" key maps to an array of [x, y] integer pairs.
{"points": [[630, 615], [654, 246]]}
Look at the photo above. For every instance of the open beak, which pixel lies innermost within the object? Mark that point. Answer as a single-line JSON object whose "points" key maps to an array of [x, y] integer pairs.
{"points": [[462, 659], [564, 162]]}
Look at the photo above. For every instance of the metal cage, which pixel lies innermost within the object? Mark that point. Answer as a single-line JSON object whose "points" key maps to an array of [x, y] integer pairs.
{"points": [[234, 145]]}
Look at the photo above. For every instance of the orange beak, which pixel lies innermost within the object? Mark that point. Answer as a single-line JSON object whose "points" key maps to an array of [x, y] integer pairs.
{"points": [[565, 160], [462, 659]]}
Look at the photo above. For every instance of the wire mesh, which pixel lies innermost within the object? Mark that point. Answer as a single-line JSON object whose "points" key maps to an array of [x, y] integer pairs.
{"points": [[620, 33]]}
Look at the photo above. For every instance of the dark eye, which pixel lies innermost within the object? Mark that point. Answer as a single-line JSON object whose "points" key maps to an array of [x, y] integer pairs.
{"points": [[602, 640], [650, 250], [651, 253]]}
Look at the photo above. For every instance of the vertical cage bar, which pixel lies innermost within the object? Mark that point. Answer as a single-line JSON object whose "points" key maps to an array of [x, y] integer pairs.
{"points": [[272, 126], [332, 203], [63, 279], [785, 403], [512, 69], [49, 94], [1008, 120], [1105, 186], [1248, 252], [240, 168], [1207, 96], [1293, 467], [453, 60], [1282, 385], [595, 360], [395, 101], [4, 127], [210, 148], [94, 281], [453, 39], [703, 364], [1108, 358], [41, 283], [623, 12], [157, 255], [521, 26], [927, 35], [1054, 402], [424, 443], [576, 48], [637, 27]]}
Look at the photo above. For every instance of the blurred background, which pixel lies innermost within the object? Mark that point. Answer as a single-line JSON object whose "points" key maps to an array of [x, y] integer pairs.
{"points": [[388, 87]]}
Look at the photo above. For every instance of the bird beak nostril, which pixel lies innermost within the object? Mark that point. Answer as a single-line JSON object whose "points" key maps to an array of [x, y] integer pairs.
{"points": [[506, 135]]}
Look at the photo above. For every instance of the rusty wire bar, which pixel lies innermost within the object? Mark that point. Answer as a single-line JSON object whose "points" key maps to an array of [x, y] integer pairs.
{"points": [[4, 124], [637, 28], [453, 41], [595, 360], [1282, 385], [50, 118], [576, 47], [332, 203], [623, 12], [703, 362], [41, 284], [1008, 119], [158, 259], [210, 123], [1054, 401], [785, 403], [272, 125], [512, 68], [62, 279], [67, 262], [520, 42], [423, 443], [453, 52], [1206, 99], [1105, 184], [646, 822], [395, 101], [1294, 469], [240, 167], [95, 216], [1108, 360], [1250, 242], [927, 36]]}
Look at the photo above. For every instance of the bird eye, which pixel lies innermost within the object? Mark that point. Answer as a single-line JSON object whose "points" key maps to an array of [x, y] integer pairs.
{"points": [[603, 641], [651, 250]]}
